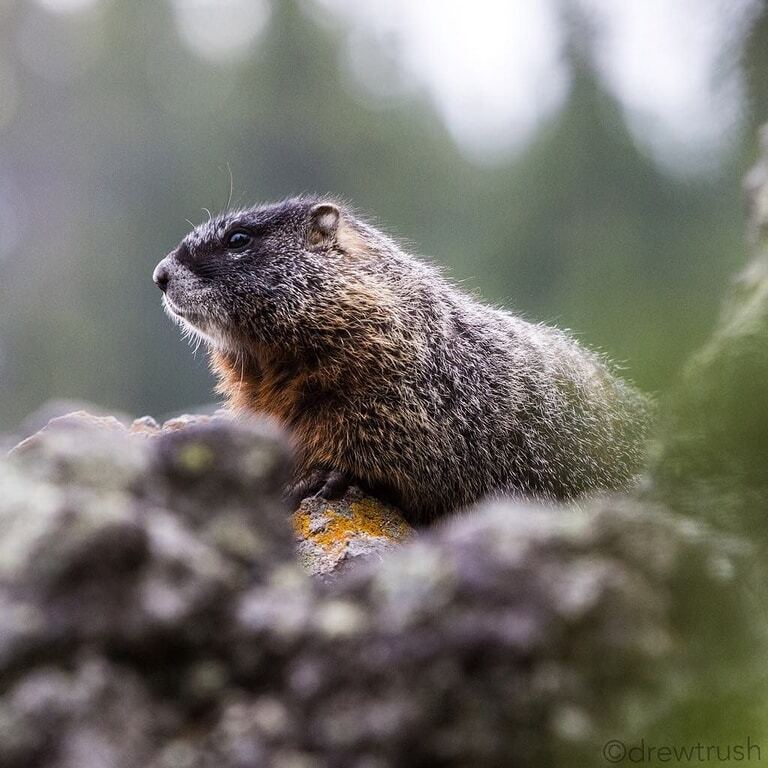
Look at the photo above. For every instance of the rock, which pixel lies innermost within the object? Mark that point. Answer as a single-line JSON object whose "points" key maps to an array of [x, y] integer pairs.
{"points": [[334, 534], [89, 535], [331, 535], [186, 420], [145, 425], [69, 422], [153, 612], [50, 416], [54, 409]]}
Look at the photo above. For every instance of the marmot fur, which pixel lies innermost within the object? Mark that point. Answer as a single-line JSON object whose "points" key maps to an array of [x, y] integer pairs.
{"points": [[387, 375]]}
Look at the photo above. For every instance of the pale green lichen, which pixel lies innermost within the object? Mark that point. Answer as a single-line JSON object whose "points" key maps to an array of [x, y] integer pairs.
{"points": [[195, 458]]}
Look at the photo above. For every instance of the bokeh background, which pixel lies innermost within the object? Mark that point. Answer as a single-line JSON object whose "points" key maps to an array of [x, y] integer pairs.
{"points": [[578, 162]]}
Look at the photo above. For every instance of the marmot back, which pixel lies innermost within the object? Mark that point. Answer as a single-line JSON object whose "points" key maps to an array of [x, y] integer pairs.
{"points": [[388, 376]]}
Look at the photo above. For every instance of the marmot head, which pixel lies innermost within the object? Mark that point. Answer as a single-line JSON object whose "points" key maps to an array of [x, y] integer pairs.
{"points": [[277, 275]]}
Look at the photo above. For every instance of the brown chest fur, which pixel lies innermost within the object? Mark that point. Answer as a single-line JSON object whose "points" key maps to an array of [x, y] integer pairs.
{"points": [[297, 400]]}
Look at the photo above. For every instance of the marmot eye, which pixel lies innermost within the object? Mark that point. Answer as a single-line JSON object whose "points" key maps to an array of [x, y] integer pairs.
{"points": [[238, 239]]}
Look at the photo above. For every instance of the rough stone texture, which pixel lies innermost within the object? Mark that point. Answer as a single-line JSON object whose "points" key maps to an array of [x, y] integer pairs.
{"points": [[153, 611], [154, 614], [331, 534], [53, 409], [334, 534]]}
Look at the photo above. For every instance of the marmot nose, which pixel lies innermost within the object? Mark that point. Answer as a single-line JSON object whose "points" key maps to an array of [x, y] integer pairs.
{"points": [[161, 276]]}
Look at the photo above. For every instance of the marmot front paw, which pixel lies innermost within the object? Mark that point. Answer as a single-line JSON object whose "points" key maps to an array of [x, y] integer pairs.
{"points": [[321, 484]]}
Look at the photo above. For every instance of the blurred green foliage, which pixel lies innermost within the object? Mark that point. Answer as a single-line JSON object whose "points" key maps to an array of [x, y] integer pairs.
{"points": [[580, 229]]}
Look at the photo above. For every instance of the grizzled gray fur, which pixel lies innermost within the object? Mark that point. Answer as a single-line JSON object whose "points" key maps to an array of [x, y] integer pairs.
{"points": [[388, 376]]}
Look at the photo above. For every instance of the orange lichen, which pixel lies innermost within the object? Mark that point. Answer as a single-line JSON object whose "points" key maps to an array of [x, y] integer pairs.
{"points": [[333, 526]]}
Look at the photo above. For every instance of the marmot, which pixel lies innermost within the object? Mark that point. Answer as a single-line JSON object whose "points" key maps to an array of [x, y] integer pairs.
{"points": [[386, 375]]}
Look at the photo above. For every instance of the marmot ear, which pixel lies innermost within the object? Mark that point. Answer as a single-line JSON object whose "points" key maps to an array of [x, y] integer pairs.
{"points": [[324, 221]]}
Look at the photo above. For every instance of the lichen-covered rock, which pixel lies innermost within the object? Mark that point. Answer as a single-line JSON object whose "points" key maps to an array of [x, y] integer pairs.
{"points": [[90, 551], [331, 535], [54, 409], [514, 635], [145, 426], [334, 534], [153, 612]]}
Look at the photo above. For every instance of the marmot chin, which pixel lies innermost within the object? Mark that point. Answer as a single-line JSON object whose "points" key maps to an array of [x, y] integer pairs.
{"points": [[386, 375]]}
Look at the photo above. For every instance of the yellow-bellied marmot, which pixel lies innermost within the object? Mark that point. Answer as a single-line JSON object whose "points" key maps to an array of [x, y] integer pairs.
{"points": [[388, 376]]}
